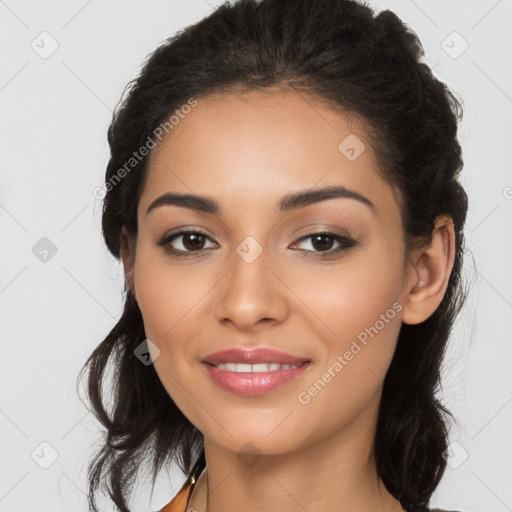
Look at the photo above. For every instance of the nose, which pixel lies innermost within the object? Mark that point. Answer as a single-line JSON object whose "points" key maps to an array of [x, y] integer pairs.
{"points": [[252, 294]]}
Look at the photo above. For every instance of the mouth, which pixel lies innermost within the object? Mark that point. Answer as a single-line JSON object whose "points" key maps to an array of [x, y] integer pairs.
{"points": [[254, 379], [256, 367], [254, 357]]}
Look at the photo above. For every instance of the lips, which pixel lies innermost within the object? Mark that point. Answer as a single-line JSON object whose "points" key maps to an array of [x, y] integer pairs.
{"points": [[254, 356]]}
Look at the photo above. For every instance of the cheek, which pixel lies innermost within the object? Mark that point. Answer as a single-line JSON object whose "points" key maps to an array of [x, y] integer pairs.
{"points": [[166, 293], [355, 305], [352, 295], [171, 301]]}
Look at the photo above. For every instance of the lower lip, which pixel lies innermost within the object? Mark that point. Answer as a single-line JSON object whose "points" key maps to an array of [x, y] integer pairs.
{"points": [[254, 384]]}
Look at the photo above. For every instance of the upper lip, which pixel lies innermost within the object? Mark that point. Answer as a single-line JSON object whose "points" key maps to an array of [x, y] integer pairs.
{"points": [[254, 356]]}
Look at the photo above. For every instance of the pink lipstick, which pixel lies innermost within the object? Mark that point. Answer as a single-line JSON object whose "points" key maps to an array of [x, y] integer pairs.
{"points": [[253, 372]]}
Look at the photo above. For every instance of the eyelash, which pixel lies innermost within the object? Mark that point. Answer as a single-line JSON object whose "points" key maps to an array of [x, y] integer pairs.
{"points": [[346, 243]]}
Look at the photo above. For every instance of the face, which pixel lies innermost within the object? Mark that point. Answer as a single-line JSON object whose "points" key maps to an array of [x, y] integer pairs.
{"points": [[322, 280]]}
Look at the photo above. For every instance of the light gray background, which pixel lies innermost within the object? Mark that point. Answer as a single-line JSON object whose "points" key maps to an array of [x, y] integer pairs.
{"points": [[54, 113]]}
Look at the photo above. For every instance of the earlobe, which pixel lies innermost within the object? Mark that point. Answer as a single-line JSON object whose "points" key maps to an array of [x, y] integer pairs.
{"points": [[432, 269]]}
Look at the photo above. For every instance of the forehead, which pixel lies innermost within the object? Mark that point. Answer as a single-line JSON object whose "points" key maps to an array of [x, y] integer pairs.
{"points": [[261, 145]]}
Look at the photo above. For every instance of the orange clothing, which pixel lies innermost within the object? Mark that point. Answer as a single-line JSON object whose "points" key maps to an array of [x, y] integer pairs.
{"points": [[180, 501]]}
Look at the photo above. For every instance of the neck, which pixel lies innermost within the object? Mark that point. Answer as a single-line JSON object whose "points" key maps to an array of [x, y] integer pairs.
{"points": [[335, 473]]}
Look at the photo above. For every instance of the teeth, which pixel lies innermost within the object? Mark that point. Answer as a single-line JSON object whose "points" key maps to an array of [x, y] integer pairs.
{"points": [[254, 368]]}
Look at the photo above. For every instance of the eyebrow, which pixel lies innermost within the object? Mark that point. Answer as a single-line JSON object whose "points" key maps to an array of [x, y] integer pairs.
{"points": [[289, 202]]}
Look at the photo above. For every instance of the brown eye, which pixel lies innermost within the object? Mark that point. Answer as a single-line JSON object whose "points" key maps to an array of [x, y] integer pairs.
{"points": [[322, 243], [186, 242], [193, 241]]}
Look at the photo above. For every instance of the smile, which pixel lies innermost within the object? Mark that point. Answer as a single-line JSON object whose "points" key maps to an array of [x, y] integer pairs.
{"points": [[253, 379], [254, 368]]}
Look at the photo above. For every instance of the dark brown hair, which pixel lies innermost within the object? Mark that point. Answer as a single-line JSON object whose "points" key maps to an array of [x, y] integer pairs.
{"points": [[341, 52]]}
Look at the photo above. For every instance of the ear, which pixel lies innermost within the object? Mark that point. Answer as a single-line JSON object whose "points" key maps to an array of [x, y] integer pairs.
{"points": [[128, 257], [430, 272]]}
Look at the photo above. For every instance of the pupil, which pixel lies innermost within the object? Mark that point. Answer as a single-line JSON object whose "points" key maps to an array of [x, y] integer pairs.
{"points": [[319, 246], [197, 241]]}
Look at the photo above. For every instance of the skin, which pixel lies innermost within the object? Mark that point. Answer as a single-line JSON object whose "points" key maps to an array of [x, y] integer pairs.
{"points": [[247, 151]]}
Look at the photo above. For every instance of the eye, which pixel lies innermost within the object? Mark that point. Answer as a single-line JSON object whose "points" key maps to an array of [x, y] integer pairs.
{"points": [[185, 242], [323, 241]]}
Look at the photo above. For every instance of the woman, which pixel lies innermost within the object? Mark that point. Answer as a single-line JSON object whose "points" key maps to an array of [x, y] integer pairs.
{"points": [[282, 192]]}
